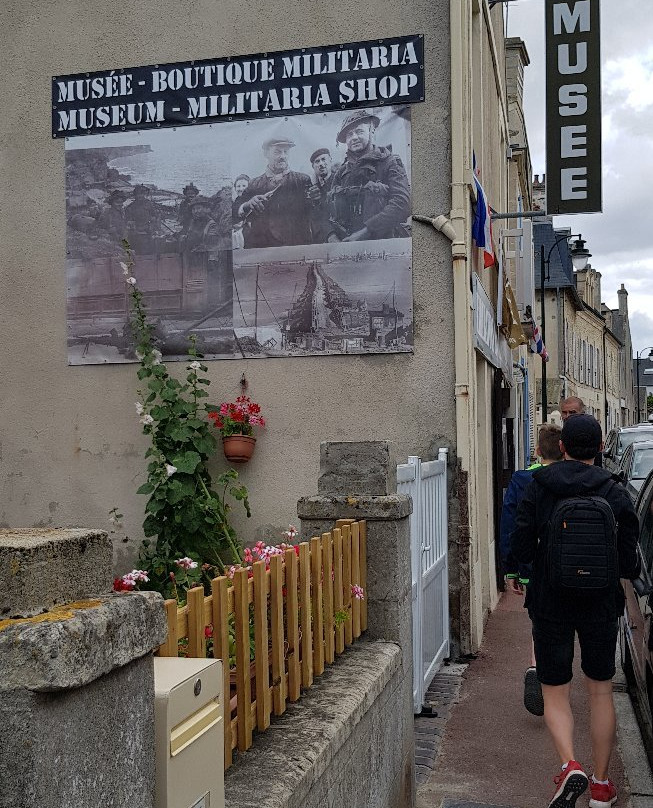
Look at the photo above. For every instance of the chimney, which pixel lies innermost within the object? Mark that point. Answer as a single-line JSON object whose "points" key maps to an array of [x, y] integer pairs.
{"points": [[623, 301]]}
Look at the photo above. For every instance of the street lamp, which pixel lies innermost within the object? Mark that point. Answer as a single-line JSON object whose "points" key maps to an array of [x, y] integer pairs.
{"points": [[649, 348], [579, 257]]}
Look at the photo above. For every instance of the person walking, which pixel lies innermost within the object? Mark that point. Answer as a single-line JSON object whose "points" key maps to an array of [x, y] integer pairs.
{"points": [[548, 450], [576, 524]]}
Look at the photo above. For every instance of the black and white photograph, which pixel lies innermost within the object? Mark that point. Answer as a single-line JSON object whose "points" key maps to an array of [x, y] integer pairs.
{"points": [[198, 205], [324, 299]]}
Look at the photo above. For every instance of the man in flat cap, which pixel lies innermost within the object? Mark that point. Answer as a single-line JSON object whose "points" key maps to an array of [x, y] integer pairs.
{"points": [[370, 192], [322, 163], [112, 219], [274, 207]]}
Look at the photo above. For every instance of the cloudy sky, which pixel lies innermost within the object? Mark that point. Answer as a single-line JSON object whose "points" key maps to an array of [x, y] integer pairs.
{"points": [[621, 238]]}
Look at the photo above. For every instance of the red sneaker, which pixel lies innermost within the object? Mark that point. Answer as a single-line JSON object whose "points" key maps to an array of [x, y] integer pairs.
{"points": [[570, 784], [602, 795]]}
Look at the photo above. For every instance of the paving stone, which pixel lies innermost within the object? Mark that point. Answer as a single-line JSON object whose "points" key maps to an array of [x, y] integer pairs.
{"points": [[450, 804]]}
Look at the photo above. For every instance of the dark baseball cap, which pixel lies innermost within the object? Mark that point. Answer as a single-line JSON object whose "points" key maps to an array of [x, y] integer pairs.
{"points": [[581, 435]]}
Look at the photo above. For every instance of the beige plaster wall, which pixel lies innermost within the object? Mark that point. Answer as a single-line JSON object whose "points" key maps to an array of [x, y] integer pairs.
{"points": [[70, 443]]}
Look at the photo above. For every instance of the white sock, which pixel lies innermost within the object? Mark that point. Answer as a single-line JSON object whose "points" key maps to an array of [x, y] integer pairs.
{"points": [[600, 782]]}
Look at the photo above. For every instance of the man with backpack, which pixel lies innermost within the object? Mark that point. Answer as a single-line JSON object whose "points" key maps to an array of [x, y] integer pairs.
{"points": [[576, 524], [516, 578]]}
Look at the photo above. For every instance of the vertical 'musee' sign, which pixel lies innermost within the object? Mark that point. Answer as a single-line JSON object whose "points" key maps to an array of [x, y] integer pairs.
{"points": [[573, 106]]}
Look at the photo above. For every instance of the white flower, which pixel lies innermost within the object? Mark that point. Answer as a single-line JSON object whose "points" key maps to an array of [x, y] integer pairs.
{"points": [[157, 356], [140, 409], [194, 366], [186, 563], [125, 268], [140, 356], [170, 469], [131, 281], [147, 420]]}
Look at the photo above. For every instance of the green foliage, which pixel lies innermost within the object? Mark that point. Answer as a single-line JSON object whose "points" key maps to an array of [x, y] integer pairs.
{"points": [[186, 512]]}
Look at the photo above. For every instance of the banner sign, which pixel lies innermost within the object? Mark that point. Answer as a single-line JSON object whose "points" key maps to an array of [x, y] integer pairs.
{"points": [[573, 107], [261, 238], [375, 73]]}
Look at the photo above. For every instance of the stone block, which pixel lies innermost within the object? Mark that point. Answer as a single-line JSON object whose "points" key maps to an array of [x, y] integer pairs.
{"points": [[40, 568], [74, 645], [357, 467], [89, 747], [377, 508]]}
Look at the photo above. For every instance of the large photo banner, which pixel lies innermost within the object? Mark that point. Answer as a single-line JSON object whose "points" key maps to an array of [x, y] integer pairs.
{"points": [[282, 236]]}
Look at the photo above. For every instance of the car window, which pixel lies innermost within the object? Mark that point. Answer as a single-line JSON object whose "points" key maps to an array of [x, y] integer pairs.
{"points": [[627, 438], [646, 533], [642, 464]]}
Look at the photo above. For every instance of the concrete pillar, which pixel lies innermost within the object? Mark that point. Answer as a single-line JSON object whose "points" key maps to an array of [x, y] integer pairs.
{"points": [[77, 679], [358, 480]]}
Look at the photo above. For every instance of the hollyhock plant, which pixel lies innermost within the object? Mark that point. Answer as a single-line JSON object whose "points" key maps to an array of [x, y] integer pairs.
{"points": [[237, 417]]}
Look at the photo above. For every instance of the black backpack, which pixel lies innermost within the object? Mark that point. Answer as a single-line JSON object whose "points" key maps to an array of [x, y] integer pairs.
{"points": [[582, 548]]}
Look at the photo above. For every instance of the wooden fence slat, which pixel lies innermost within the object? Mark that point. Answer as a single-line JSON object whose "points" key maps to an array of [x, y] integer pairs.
{"points": [[316, 602], [243, 684], [329, 622], [346, 582], [220, 621], [355, 579], [170, 647], [363, 565], [182, 622], [196, 637], [292, 621], [305, 613], [277, 635], [261, 654], [337, 587]]}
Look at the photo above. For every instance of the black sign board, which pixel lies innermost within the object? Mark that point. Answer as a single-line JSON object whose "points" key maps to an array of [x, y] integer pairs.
{"points": [[264, 85], [573, 106]]}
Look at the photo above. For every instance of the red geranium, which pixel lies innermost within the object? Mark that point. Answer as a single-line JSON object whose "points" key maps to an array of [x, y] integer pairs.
{"points": [[237, 417]]}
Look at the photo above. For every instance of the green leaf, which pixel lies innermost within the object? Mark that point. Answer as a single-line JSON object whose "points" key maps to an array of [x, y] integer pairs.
{"points": [[146, 488], [205, 444], [187, 462], [154, 506], [168, 394], [159, 412], [201, 393], [151, 525]]}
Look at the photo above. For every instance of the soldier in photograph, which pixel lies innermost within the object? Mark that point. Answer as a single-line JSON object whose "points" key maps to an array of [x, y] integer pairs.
{"points": [[142, 217], [185, 206], [274, 209], [322, 163], [370, 193], [112, 219]]}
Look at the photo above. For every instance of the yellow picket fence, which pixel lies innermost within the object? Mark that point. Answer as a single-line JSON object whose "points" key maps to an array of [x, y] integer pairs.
{"points": [[303, 615]]}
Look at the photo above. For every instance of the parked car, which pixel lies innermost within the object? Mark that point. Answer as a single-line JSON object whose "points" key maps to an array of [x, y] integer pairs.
{"points": [[635, 465], [637, 628], [618, 440]]}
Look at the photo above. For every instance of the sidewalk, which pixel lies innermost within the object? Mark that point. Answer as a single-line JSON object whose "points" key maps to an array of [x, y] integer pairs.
{"points": [[483, 749]]}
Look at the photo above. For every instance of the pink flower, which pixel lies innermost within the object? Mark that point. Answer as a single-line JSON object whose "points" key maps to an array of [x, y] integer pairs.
{"points": [[357, 592], [208, 632], [186, 563], [231, 571]]}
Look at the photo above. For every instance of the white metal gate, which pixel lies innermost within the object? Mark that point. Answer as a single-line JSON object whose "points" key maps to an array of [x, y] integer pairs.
{"points": [[426, 483]]}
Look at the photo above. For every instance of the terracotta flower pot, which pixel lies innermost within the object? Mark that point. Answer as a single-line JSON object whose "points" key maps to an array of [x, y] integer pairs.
{"points": [[238, 448]]}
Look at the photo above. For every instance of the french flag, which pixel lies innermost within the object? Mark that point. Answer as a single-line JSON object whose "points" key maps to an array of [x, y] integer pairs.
{"points": [[537, 346], [482, 225]]}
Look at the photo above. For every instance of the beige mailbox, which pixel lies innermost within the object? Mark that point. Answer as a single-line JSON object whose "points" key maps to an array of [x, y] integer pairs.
{"points": [[188, 717]]}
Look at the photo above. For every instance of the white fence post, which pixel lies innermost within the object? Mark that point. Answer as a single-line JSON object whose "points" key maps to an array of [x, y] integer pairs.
{"points": [[426, 483]]}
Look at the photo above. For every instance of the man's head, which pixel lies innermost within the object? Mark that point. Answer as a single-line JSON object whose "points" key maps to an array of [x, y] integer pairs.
{"points": [[191, 190], [581, 437], [201, 208], [141, 191], [117, 199], [240, 184], [571, 406], [322, 163], [358, 131], [276, 151], [548, 443]]}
